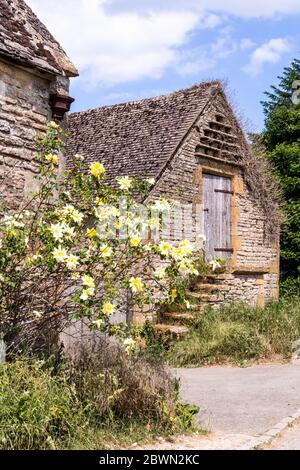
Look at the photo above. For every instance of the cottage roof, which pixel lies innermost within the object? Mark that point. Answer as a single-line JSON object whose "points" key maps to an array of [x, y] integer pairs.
{"points": [[26, 40], [138, 138]]}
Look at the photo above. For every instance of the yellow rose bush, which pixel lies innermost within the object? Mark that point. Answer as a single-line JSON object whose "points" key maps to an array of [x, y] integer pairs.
{"points": [[79, 248]]}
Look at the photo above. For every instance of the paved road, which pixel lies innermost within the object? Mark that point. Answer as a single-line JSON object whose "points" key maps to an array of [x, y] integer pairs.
{"points": [[245, 401], [289, 440]]}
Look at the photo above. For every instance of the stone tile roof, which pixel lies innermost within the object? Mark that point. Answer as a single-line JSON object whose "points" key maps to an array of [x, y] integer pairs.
{"points": [[25, 39], [137, 138]]}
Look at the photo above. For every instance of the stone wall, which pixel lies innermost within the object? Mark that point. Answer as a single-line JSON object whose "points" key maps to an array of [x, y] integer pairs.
{"points": [[254, 266], [24, 112]]}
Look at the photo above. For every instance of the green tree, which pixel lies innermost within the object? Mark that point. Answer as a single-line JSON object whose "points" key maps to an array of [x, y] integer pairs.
{"points": [[282, 140]]}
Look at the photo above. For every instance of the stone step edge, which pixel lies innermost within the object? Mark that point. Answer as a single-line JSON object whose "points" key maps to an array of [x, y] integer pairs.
{"points": [[258, 442], [174, 329], [178, 316]]}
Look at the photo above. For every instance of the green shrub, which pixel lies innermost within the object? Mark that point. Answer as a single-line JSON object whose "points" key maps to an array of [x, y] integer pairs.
{"points": [[237, 332], [37, 410], [290, 287], [101, 398]]}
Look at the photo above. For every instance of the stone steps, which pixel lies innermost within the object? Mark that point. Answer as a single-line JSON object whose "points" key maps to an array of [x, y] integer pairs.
{"points": [[172, 332], [208, 291], [181, 318], [205, 297]]}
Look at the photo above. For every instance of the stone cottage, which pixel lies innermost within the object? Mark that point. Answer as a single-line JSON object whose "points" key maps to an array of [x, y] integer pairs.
{"points": [[192, 145], [34, 88]]}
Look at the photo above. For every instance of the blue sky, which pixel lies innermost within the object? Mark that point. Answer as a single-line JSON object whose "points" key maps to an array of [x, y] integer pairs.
{"points": [[130, 49]]}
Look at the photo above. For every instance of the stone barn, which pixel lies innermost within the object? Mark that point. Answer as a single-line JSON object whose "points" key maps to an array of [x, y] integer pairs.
{"points": [[34, 88], [193, 147], [189, 142]]}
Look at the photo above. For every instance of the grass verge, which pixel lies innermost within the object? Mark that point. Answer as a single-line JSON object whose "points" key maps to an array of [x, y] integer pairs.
{"points": [[237, 332], [102, 399]]}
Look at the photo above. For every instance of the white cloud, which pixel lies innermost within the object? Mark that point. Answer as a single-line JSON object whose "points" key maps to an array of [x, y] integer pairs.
{"points": [[113, 48], [269, 52], [252, 8], [118, 41], [206, 57], [241, 8], [247, 43]]}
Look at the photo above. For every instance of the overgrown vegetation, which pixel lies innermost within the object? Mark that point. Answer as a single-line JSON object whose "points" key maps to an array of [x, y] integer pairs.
{"points": [[80, 248], [102, 399], [237, 332]]}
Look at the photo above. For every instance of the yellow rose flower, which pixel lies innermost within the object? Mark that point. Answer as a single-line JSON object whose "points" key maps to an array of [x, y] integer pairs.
{"points": [[105, 251], [118, 224], [97, 169], [108, 308], [136, 285], [52, 158], [134, 242], [88, 281], [165, 248], [86, 293], [125, 183], [91, 233], [174, 294], [72, 261]]}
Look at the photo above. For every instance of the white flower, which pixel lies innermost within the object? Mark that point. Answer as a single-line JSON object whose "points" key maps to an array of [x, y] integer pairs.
{"points": [[77, 217], [53, 125], [151, 181], [72, 261], [86, 293], [57, 231], [60, 254], [69, 231], [68, 209], [187, 267], [161, 205], [88, 281], [12, 222], [214, 264], [37, 313], [105, 251], [129, 344], [79, 157], [160, 272], [186, 247], [165, 248], [98, 323], [125, 183]]}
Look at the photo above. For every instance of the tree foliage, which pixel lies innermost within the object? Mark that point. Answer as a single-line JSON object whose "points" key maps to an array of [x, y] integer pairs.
{"points": [[282, 141]]}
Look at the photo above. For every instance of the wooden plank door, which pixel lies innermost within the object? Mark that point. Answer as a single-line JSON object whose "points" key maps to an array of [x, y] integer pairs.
{"points": [[217, 207]]}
